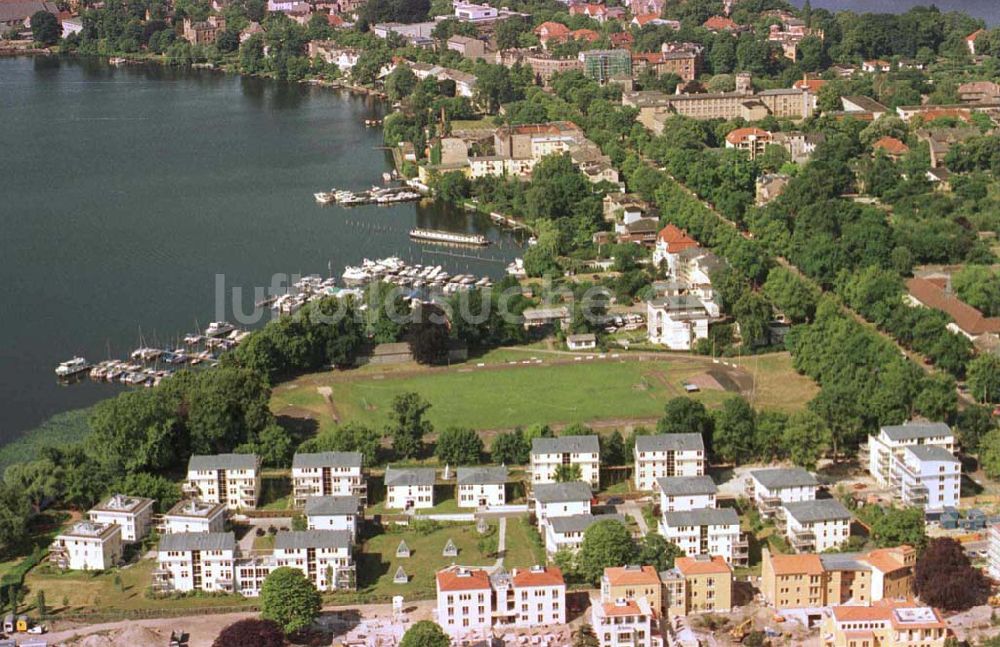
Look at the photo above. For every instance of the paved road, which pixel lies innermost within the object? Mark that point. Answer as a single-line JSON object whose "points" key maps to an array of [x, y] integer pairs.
{"points": [[635, 510], [501, 540]]}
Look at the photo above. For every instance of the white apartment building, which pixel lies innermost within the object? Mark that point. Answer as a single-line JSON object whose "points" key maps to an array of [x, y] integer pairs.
{"points": [[567, 532], [676, 322], [133, 513], [994, 551], [232, 479], [328, 474], [194, 561], [891, 440], [464, 600], [667, 455], [194, 516], [624, 623], [409, 488], [815, 526], [481, 487], [769, 489], [88, 546], [560, 500], [547, 454], [525, 598], [927, 476], [324, 556], [706, 531], [679, 493], [334, 513]]}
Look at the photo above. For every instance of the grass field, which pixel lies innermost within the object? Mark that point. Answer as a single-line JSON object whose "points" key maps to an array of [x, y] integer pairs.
{"points": [[520, 394]]}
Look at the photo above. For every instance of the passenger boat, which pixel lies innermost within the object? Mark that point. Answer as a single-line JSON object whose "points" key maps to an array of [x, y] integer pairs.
{"points": [[448, 237], [72, 367], [217, 328]]}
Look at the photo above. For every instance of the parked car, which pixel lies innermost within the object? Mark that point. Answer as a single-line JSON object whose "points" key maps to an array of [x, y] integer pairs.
{"points": [[37, 629]]}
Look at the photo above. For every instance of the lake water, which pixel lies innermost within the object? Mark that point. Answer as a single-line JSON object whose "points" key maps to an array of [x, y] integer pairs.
{"points": [[987, 10], [124, 191]]}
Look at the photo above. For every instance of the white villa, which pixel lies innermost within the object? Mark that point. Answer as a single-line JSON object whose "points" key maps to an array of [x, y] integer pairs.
{"points": [[194, 516], [409, 488], [134, 514], [328, 474], [88, 546], [334, 513], [232, 479], [481, 487], [667, 455], [547, 454]]}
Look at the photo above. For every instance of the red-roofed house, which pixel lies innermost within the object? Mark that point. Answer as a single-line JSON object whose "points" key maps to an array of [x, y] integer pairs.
{"points": [[891, 146], [970, 40], [813, 85], [551, 31], [588, 35], [751, 140], [470, 600], [642, 20], [698, 584], [889, 623], [464, 600], [539, 597], [334, 21], [625, 622], [671, 240], [716, 24], [622, 40], [967, 320], [599, 12]]}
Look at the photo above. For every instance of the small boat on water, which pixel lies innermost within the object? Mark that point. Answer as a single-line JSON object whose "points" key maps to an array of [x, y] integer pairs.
{"points": [[117, 61], [72, 367], [325, 197], [219, 328]]}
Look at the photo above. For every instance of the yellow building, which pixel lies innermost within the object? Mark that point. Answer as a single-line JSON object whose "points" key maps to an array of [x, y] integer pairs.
{"points": [[632, 583], [810, 581], [885, 624], [697, 584]]}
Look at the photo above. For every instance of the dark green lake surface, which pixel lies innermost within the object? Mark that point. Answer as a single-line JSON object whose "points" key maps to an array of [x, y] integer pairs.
{"points": [[125, 191]]}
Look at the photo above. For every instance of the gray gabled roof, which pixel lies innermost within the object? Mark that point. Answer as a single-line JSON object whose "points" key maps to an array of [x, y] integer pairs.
{"points": [[298, 539], [566, 445], [408, 476], [844, 562], [222, 462], [580, 522], [332, 505], [481, 475], [702, 517], [562, 492], [185, 541], [686, 485], [932, 453], [670, 442], [782, 477], [916, 431], [818, 510], [327, 459]]}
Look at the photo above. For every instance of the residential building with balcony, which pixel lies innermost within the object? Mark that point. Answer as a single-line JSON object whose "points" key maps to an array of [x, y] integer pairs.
{"points": [[886, 624], [892, 439], [133, 513], [324, 556], [547, 454], [708, 531], [699, 584], [677, 322], [87, 546], [191, 561], [679, 493], [334, 513], [667, 455], [464, 601], [567, 532], [193, 515], [815, 526], [769, 489], [560, 500], [632, 582], [625, 623], [328, 474], [533, 597], [927, 476], [481, 487], [232, 479], [409, 488]]}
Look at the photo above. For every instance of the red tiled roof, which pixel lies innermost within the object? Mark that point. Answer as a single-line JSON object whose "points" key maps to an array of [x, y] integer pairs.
{"points": [[742, 134], [693, 566], [945, 113], [629, 608], [334, 20], [970, 320], [808, 563], [975, 35], [454, 579], [622, 576], [891, 145], [622, 38], [676, 239], [645, 18], [552, 29], [585, 34], [813, 85], [884, 559], [551, 576], [719, 23]]}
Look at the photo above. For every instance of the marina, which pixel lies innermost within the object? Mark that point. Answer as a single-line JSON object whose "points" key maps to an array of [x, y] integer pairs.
{"points": [[375, 195]]}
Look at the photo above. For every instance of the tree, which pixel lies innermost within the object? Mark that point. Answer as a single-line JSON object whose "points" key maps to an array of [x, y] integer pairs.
{"points": [[152, 486], [429, 342], [425, 634], [989, 453], [613, 449], [38, 480], [974, 422], [683, 415], [510, 448], [407, 425], [40, 607], [459, 446], [568, 473], [656, 551], [348, 437], [606, 543], [584, 637], [14, 512], [400, 83], [895, 526], [806, 438], [984, 378], [45, 28], [251, 632], [289, 599], [790, 294], [945, 578], [734, 430]]}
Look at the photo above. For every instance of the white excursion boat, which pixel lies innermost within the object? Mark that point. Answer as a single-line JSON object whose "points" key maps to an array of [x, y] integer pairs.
{"points": [[217, 328], [72, 367], [324, 197]]}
